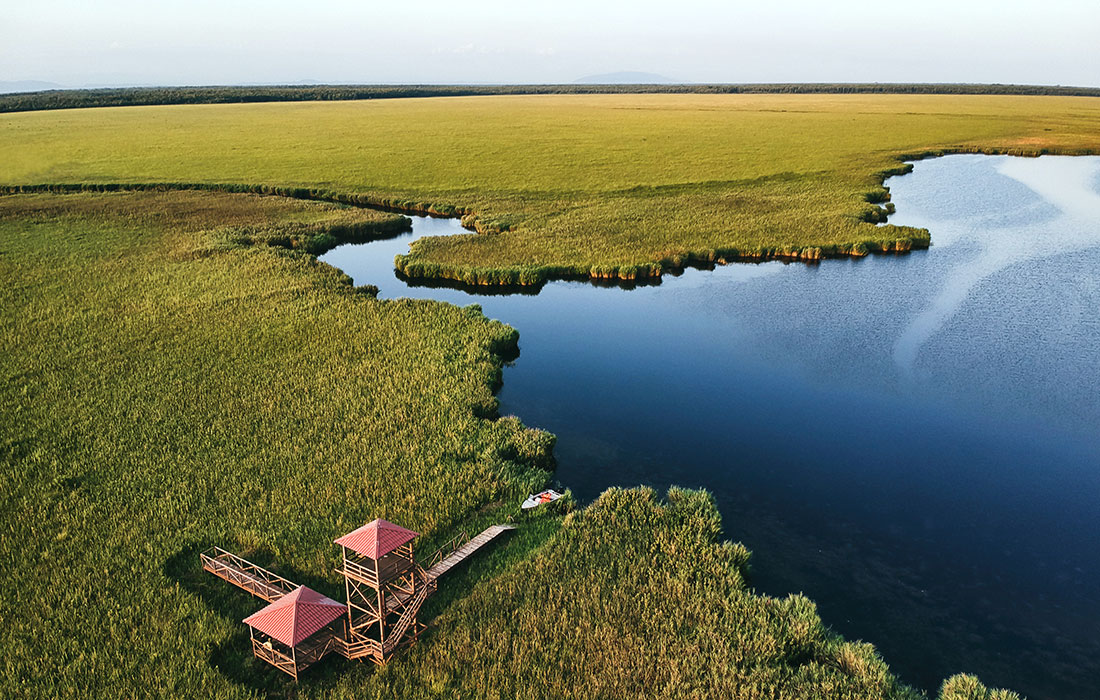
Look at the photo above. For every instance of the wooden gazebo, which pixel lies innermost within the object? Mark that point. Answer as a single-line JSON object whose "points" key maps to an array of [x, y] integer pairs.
{"points": [[297, 630], [385, 589]]}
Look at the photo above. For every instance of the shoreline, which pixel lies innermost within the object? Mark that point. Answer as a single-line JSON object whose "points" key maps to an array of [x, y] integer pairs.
{"points": [[532, 279]]}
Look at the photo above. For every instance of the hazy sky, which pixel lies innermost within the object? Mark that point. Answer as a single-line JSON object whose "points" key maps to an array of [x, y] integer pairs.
{"points": [[83, 42]]}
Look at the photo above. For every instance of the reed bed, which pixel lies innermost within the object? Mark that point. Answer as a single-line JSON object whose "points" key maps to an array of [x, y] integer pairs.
{"points": [[164, 392], [171, 384], [621, 186], [126, 97]]}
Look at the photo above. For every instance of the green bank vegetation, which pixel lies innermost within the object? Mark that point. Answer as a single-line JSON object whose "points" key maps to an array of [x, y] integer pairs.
{"points": [[169, 384], [605, 186], [128, 97]]}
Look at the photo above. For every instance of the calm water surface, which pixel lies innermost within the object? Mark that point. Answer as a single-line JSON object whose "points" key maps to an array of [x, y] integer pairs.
{"points": [[912, 441]]}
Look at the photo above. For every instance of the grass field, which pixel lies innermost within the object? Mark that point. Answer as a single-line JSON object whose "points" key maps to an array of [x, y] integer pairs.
{"points": [[179, 372], [167, 387], [163, 392], [602, 185]]}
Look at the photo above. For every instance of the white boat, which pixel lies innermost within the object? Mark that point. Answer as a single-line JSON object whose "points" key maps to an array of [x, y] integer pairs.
{"points": [[537, 499]]}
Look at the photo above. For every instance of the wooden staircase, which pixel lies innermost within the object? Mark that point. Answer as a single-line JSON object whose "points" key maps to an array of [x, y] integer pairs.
{"points": [[357, 647], [397, 634]]}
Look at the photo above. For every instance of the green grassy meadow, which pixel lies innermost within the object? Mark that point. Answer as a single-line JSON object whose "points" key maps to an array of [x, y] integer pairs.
{"points": [[179, 371], [166, 390], [163, 392], [567, 185]]}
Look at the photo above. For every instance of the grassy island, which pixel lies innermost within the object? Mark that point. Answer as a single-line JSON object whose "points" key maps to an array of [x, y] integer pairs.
{"points": [[179, 371]]}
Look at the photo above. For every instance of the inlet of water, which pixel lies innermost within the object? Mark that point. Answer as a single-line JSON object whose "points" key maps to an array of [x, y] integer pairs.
{"points": [[912, 441]]}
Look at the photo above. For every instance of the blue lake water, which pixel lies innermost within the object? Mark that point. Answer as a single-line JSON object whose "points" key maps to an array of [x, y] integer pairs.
{"points": [[912, 441]]}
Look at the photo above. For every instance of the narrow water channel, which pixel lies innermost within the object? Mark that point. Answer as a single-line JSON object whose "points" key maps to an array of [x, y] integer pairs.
{"points": [[912, 441]]}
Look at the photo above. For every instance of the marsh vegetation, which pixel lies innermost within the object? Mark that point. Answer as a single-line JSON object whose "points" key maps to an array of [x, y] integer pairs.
{"points": [[180, 371], [621, 186], [164, 392], [129, 97]]}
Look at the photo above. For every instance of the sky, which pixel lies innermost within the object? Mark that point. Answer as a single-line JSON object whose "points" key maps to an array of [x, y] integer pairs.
{"points": [[205, 42]]}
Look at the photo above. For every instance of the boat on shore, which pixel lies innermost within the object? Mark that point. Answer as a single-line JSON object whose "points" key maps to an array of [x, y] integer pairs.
{"points": [[537, 499]]}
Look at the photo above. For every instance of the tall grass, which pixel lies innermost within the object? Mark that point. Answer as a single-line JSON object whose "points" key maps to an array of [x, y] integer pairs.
{"points": [[622, 186], [164, 390]]}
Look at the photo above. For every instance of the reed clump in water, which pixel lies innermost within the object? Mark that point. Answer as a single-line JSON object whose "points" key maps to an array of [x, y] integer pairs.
{"points": [[967, 687]]}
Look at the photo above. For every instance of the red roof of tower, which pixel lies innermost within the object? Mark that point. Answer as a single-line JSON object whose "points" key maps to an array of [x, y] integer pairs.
{"points": [[296, 616], [376, 539]]}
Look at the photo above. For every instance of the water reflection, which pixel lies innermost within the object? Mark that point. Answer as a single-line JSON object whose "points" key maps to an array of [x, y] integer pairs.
{"points": [[1060, 215], [911, 440]]}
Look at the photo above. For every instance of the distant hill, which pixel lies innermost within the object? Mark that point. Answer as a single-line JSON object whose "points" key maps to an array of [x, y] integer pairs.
{"points": [[27, 86], [626, 78]]}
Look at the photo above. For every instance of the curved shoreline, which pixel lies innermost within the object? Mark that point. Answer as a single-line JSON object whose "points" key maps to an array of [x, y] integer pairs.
{"points": [[504, 342], [623, 275]]}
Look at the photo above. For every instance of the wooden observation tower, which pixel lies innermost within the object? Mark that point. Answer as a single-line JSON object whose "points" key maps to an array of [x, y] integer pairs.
{"points": [[385, 590]]}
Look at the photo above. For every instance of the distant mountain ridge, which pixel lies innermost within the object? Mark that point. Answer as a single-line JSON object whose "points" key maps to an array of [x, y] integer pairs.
{"points": [[626, 78], [27, 86]]}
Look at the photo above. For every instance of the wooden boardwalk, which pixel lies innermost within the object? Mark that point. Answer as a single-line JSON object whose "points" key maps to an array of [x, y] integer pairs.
{"points": [[244, 574], [465, 551]]}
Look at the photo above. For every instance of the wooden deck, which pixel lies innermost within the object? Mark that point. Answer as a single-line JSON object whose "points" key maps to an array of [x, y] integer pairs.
{"points": [[462, 553], [244, 574]]}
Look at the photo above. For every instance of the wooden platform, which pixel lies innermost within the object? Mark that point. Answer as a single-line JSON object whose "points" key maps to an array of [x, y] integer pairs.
{"points": [[465, 551], [244, 574]]}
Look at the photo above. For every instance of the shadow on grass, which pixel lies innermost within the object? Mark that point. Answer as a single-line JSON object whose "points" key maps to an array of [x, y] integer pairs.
{"points": [[233, 657]]}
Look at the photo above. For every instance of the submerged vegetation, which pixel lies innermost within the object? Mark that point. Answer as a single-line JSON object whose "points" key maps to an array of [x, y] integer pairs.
{"points": [[171, 383], [619, 186]]}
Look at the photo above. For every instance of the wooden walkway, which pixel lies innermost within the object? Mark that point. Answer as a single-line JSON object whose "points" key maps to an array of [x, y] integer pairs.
{"points": [[244, 574], [465, 551]]}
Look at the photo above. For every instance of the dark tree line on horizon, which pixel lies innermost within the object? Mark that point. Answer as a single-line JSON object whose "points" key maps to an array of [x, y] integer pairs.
{"points": [[121, 97]]}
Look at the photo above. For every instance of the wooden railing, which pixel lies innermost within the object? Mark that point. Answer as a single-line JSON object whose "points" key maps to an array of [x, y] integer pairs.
{"points": [[466, 550], [242, 573], [360, 573], [358, 647], [446, 550], [274, 657]]}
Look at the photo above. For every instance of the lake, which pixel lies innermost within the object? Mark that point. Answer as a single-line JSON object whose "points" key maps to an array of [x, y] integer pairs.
{"points": [[912, 441]]}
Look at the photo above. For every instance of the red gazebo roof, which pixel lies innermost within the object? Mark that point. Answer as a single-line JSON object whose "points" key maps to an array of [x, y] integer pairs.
{"points": [[376, 539], [296, 616]]}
